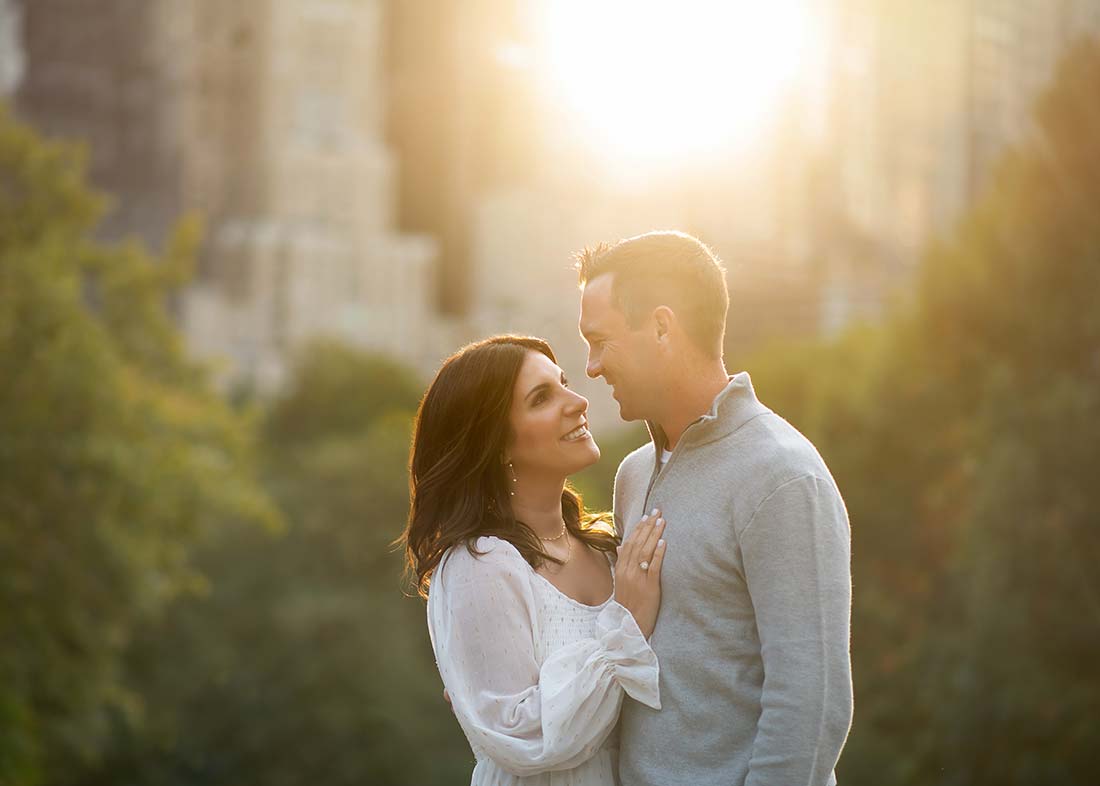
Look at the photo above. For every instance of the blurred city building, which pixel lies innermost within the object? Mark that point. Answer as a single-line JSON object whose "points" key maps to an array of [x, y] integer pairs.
{"points": [[313, 250], [103, 79], [923, 99], [266, 117], [460, 121], [822, 225], [391, 172]]}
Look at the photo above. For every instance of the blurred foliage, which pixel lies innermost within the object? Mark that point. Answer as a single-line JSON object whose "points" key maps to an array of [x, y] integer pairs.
{"points": [[965, 436], [304, 664], [115, 459], [337, 391], [964, 433]]}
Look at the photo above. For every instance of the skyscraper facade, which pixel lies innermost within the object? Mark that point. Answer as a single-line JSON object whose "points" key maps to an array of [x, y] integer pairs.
{"points": [[266, 117]]}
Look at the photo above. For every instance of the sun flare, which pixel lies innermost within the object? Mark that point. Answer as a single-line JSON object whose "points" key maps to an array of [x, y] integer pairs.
{"points": [[649, 80]]}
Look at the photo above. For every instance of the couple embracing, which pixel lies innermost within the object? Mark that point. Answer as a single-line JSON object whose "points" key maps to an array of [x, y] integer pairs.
{"points": [[697, 635]]}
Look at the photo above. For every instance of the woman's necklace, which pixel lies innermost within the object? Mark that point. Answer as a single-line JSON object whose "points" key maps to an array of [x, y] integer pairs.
{"points": [[568, 543], [568, 550], [556, 537]]}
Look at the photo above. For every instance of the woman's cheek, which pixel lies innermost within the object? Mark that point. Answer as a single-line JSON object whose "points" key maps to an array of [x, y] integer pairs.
{"points": [[553, 429], [535, 435]]}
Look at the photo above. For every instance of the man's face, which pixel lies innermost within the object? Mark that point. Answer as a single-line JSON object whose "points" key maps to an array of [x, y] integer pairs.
{"points": [[626, 358]]}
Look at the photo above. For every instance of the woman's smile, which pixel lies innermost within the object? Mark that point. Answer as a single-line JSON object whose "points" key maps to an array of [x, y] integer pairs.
{"points": [[577, 434]]}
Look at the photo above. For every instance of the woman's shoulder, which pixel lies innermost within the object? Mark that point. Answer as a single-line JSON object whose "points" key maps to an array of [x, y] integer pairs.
{"points": [[479, 579], [483, 555]]}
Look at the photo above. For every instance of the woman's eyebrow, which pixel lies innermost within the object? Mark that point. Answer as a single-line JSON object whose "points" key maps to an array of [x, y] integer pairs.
{"points": [[536, 389], [541, 386]]}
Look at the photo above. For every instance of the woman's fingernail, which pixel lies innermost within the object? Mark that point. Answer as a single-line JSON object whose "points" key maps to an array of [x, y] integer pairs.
{"points": [[654, 512], [660, 522], [661, 543]]}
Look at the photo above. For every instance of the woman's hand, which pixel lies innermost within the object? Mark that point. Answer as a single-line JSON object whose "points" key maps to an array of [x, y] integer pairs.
{"points": [[638, 571]]}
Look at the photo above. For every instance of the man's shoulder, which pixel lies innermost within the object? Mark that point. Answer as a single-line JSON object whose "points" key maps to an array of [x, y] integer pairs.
{"points": [[770, 451], [633, 472], [638, 461]]}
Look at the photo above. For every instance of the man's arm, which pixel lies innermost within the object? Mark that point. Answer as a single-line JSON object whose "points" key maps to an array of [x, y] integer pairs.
{"points": [[618, 501], [797, 560]]}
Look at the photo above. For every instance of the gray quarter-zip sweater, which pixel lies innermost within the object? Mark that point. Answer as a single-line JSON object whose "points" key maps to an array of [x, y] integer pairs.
{"points": [[753, 633]]}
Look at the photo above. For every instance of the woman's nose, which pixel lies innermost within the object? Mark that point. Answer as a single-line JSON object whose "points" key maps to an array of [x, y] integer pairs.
{"points": [[577, 403]]}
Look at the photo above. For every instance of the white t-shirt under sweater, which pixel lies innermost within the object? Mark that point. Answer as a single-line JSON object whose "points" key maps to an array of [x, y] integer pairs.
{"points": [[536, 678]]}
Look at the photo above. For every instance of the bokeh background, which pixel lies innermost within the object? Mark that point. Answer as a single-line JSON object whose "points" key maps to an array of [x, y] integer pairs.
{"points": [[237, 238]]}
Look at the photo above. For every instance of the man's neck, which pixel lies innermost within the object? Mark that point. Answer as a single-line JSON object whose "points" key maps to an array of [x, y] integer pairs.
{"points": [[692, 400]]}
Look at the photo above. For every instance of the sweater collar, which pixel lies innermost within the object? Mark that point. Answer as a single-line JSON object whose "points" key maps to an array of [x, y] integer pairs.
{"points": [[734, 406]]}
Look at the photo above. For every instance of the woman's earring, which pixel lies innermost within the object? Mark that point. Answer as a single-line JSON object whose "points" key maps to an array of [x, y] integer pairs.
{"points": [[512, 472]]}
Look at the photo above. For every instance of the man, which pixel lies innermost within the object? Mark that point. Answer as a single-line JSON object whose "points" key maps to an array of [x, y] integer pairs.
{"points": [[753, 634]]}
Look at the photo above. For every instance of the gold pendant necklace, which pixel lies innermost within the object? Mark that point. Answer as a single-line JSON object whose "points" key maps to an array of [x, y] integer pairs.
{"points": [[568, 551]]}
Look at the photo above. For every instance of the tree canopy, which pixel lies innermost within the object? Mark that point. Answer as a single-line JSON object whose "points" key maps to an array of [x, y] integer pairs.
{"points": [[115, 457]]}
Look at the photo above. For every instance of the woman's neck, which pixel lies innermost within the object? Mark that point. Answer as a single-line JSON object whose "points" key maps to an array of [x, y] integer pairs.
{"points": [[539, 506]]}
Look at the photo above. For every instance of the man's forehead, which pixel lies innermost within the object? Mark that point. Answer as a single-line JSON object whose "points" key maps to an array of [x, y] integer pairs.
{"points": [[596, 300], [600, 286]]}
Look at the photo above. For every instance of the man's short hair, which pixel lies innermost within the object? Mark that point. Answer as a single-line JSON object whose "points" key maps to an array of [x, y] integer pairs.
{"points": [[670, 269]]}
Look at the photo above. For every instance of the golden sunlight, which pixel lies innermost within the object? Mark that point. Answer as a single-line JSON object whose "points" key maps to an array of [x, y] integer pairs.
{"points": [[673, 80]]}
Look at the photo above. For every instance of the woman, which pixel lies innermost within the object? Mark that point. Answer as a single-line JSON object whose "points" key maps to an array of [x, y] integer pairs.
{"points": [[536, 638]]}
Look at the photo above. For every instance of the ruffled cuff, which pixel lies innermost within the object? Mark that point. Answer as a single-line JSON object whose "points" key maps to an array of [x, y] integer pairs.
{"points": [[633, 660]]}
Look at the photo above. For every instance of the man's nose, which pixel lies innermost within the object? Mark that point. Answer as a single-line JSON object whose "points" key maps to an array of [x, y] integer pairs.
{"points": [[593, 369]]}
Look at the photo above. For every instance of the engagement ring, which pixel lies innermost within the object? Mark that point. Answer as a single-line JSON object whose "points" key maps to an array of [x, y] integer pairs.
{"points": [[643, 565]]}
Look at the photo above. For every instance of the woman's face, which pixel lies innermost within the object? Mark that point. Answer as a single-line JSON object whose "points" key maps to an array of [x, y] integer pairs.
{"points": [[549, 425]]}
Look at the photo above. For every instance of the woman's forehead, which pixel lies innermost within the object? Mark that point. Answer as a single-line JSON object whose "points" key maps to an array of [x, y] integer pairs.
{"points": [[538, 368]]}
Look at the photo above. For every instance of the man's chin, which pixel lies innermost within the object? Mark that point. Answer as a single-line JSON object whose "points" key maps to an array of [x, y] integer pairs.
{"points": [[626, 413]]}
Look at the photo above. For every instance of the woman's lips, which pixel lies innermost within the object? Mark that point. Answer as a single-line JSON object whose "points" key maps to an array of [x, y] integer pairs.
{"points": [[576, 435]]}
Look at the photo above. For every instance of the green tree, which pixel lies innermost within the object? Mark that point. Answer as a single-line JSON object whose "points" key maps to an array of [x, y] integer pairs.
{"points": [[1015, 296], [115, 458], [305, 663]]}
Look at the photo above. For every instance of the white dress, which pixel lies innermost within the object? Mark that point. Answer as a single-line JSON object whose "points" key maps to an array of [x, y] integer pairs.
{"points": [[536, 678]]}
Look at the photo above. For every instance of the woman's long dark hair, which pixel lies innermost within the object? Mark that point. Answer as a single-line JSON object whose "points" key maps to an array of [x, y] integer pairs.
{"points": [[458, 486]]}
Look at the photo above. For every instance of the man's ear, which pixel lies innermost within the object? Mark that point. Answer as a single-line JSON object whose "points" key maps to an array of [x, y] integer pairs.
{"points": [[663, 318]]}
